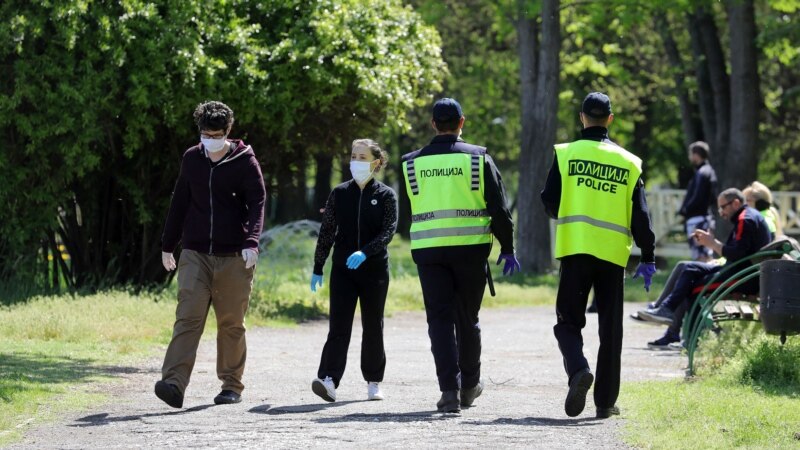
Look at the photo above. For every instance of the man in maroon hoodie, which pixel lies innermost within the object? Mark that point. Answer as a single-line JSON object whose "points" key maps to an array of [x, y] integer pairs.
{"points": [[216, 213]]}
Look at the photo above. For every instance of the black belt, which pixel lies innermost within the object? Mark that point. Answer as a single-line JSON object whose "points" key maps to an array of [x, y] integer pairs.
{"points": [[226, 255]]}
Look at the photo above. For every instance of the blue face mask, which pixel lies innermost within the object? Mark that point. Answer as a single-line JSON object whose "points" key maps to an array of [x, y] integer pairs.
{"points": [[213, 145]]}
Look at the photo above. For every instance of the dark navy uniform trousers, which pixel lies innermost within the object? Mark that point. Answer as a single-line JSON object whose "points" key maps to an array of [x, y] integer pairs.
{"points": [[579, 274], [453, 293]]}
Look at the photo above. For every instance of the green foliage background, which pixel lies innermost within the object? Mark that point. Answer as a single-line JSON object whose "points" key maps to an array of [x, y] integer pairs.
{"points": [[97, 101]]}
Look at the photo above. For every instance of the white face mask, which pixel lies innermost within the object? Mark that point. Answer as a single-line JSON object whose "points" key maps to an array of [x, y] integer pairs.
{"points": [[213, 145], [361, 171]]}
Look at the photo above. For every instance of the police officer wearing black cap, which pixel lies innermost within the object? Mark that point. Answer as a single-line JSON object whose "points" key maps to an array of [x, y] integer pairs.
{"points": [[457, 203], [604, 209]]}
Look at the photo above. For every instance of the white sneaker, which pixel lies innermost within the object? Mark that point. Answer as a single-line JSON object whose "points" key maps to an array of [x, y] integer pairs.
{"points": [[374, 391], [324, 388]]}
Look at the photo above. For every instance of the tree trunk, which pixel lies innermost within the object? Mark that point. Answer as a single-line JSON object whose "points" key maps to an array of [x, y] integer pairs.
{"points": [[291, 202], [705, 98], [720, 87], [54, 272], [539, 71], [643, 132], [546, 116], [526, 193], [322, 183], [745, 97], [688, 122]]}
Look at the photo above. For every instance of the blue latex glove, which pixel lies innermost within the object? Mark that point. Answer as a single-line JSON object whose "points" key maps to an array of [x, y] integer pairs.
{"points": [[316, 281], [511, 266], [646, 270], [355, 260]]}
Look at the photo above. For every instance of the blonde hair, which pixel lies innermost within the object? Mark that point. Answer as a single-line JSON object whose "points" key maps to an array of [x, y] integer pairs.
{"points": [[760, 192]]}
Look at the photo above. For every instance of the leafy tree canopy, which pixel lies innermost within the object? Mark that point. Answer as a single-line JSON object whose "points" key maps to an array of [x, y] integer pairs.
{"points": [[97, 98]]}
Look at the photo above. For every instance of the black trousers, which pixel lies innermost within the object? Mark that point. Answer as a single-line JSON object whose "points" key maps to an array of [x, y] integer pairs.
{"points": [[579, 274], [453, 295], [369, 285]]}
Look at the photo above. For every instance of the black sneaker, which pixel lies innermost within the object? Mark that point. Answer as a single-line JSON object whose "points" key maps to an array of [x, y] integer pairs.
{"points": [[169, 394], [578, 387], [449, 402], [605, 413], [469, 395], [226, 397], [664, 341], [662, 315]]}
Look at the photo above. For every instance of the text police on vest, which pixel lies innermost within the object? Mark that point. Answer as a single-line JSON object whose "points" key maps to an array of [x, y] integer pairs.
{"points": [[431, 215], [601, 177], [471, 213], [444, 172]]}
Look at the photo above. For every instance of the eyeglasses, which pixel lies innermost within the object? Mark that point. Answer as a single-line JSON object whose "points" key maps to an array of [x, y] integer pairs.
{"points": [[212, 135], [722, 207]]}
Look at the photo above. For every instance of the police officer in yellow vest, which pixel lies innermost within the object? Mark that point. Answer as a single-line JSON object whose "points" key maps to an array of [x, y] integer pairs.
{"points": [[595, 191], [457, 202]]}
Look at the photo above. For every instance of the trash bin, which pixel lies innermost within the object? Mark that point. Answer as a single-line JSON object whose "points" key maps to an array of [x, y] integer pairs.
{"points": [[780, 297]]}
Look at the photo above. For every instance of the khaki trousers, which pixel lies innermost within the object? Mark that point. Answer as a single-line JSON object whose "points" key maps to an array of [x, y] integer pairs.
{"points": [[225, 284]]}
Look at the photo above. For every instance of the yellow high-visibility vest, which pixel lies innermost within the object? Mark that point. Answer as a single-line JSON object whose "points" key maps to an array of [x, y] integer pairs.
{"points": [[447, 204], [594, 215]]}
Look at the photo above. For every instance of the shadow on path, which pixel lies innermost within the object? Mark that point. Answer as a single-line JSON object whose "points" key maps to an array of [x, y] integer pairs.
{"points": [[416, 416], [299, 409], [104, 419], [540, 421]]}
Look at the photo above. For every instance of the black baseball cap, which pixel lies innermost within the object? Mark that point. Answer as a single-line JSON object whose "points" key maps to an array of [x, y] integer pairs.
{"points": [[446, 110], [596, 105]]}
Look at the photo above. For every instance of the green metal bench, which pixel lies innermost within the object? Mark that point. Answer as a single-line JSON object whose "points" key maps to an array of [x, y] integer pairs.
{"points": [[724, 303]]}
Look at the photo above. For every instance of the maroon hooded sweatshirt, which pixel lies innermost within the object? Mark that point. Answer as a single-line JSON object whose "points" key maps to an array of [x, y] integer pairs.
{"points": [[216, 208]]}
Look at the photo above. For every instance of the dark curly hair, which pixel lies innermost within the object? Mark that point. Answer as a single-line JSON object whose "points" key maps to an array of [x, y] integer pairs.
{"points": [[213, 115]]}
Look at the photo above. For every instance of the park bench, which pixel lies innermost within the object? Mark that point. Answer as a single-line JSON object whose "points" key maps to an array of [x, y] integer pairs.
{"points": [[721, 302]]}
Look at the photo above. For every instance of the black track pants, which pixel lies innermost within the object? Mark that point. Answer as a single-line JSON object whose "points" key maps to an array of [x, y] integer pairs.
{"points": [[367, 286]]}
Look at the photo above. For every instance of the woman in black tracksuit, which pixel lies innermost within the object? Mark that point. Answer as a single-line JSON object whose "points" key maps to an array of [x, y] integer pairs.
{"points": [[360, 219]]}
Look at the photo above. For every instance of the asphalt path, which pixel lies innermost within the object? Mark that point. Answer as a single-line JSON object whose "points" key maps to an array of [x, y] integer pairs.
{"points": [[522, 404]]}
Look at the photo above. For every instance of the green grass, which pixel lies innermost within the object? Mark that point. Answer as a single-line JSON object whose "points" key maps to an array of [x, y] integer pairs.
{"points": [[747, 396], [57, 350], [708, 414]]}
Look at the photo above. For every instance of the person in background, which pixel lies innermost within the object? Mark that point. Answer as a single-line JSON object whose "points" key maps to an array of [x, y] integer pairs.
{"points": [[698, 203], [216, 213], [758, 196], [359, 221], [595, 192], [749, 234]]}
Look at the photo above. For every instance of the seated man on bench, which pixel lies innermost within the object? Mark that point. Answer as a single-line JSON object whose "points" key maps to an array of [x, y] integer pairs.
{"points": [[750, 233]]}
